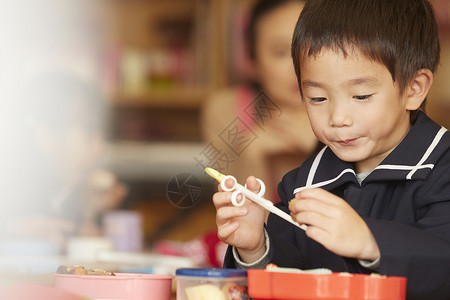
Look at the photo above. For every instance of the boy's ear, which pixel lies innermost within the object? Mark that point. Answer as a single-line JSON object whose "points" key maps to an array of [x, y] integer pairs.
{"points": [[418, 88]]}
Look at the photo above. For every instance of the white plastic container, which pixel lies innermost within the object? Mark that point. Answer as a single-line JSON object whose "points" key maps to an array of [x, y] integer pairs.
{"points": [[211, 283]]}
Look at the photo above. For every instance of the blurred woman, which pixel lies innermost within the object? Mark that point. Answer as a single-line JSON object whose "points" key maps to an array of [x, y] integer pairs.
{"points": [[273, 128]]}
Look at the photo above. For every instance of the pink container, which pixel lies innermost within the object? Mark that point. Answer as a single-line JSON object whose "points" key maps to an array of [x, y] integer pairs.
{"points": [[123, 286]]}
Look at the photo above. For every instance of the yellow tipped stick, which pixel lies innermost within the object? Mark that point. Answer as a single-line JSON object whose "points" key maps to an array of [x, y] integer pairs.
{"points": [[215, 174]]}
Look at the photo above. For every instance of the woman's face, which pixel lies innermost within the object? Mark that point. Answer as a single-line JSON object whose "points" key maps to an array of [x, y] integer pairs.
{"points": [[273, 62]]}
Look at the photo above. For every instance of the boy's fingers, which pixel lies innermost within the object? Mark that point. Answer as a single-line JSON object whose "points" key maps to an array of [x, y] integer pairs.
{"points": [[226, 230], [319, 235], [309, 193], [313, 219], [297, 205], [228, 183], [228, 212], [317, 194], [252, 184], [323, 208], [221, 199]]}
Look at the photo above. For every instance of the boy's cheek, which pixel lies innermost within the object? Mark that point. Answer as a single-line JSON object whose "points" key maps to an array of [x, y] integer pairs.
{"points": [[317, 127]]}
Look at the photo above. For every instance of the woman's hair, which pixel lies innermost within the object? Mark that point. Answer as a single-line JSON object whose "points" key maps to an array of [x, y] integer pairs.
{"points": [[400, 34], [260, 9]]}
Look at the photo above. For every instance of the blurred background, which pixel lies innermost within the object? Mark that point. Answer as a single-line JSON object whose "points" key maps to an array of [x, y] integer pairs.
{"points": [[102, 113]]}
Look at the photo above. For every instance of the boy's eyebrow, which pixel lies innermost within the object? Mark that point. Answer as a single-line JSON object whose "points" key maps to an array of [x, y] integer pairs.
{"points": [[363, 81], [368, 80], [309, 83]]}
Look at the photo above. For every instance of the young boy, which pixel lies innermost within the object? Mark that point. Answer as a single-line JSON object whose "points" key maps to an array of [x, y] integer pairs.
{"points": [[377, 197]]}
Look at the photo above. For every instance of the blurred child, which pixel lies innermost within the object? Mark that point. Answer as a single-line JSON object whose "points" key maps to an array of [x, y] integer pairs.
{"points": [[377, 197], [52, 183]]}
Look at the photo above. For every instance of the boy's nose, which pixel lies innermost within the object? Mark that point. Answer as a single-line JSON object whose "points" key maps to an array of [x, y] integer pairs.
{"points": [[340, 115]]}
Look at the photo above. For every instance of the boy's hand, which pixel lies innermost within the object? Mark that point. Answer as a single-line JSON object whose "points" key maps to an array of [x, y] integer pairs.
{"points": [[241, 227], [333, 223]]}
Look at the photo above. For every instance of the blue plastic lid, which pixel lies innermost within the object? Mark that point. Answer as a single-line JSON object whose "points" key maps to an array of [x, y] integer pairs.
{"points": [[212, 272]]}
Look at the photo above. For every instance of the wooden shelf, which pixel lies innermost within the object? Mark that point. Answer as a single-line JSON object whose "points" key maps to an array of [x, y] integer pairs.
{"points": [[165, 58], [177, 98]]}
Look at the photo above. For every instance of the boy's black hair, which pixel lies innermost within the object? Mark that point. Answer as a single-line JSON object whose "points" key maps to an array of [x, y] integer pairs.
{"points": [[400, 34], [259, 10]]}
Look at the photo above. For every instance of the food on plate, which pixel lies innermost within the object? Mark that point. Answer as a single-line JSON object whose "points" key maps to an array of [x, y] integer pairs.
{"points": [[275, 268], [80, 270], [74, 270], [230, 291], [345, 274], [376, 275], [205, 292], [235, 292]]}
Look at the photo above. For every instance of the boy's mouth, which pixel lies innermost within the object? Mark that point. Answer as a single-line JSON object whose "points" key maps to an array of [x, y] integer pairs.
{"points": [[347, 142]]}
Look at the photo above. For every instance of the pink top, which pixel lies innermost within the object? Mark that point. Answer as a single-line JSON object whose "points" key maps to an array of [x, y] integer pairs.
{"points": [[245, 97]]}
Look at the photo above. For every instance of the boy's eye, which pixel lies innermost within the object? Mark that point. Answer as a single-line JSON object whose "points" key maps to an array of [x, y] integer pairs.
{"points": [[362, 97], [318, 99]]}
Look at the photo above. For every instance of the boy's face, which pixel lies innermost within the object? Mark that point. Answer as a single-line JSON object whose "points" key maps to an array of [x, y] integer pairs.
{"points": [[354, 106]]}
